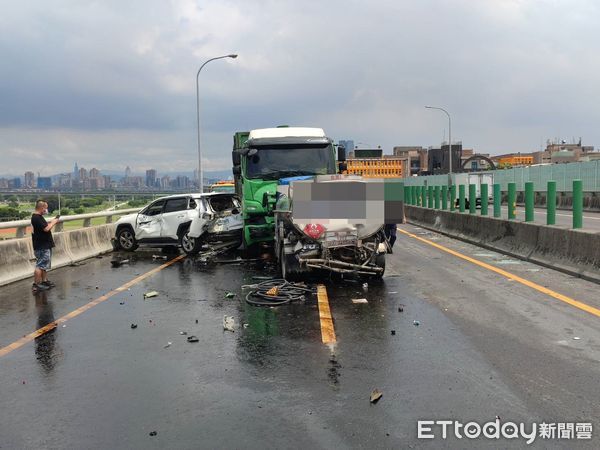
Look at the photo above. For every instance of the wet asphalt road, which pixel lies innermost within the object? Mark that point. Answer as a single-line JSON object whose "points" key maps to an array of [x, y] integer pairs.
{"points": [[485, 347]]}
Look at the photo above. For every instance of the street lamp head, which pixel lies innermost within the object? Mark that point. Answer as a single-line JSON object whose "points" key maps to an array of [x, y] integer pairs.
{"points": [[233, 55]]}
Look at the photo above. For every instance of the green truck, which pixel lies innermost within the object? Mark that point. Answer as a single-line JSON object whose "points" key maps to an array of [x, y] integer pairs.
{"points": [[262, 157], [316, 219]]}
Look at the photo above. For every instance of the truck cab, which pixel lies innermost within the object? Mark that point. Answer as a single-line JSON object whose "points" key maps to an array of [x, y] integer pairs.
{"points": [[262, 157]]}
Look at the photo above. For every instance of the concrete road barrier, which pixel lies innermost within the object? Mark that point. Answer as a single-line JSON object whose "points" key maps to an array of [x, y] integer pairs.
{"points": [[575, 252], [17, 260]]}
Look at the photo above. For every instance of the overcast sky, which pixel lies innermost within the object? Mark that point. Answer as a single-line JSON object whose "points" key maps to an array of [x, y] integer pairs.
{"points": [[112, 83]]}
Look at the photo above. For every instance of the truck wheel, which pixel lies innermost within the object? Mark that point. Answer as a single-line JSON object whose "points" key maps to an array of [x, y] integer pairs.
{"points": [[190, 245], [288, 266], [126, 240], [380, 262]]}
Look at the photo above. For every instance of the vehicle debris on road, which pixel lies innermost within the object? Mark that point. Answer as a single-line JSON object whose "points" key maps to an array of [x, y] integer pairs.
{"points": [[192, 339], [229, 323], [359, 300], [168, 345], [119, 262], [163, 257], [375, 395], [276, 292], [150, 294], [229, 295], [133, 326], [416, 323]]}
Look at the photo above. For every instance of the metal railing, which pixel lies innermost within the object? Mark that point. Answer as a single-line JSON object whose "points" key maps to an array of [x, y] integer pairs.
{"points": [[22, 225]]}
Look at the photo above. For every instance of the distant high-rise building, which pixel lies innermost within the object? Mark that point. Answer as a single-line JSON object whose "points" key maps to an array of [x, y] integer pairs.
{"points": [[29, 180], [151, 178], [347, 144], [76, 172], [83, 174], [44, 183], [15, 183], [94, 173], [127, 172]]}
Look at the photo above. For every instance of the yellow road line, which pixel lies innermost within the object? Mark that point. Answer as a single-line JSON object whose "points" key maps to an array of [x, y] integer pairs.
{"points": [[327, 330], [563, 298], [52, 325]]}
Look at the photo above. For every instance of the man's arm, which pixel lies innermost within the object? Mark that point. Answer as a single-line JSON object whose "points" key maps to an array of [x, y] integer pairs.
{"points": [[51, 225]]}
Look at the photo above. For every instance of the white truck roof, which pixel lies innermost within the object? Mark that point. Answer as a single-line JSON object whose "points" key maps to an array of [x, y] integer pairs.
{"points": [[286, 132]]}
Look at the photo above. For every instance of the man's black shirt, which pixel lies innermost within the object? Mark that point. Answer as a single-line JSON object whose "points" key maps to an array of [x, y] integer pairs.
{"points": [[42, 240]]}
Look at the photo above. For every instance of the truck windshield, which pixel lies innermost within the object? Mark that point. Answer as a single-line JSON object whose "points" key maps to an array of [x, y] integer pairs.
{"points": [[271, 163]]}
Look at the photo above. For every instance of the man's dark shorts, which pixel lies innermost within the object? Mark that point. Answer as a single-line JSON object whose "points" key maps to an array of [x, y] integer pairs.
{"points": [[43, 259]]}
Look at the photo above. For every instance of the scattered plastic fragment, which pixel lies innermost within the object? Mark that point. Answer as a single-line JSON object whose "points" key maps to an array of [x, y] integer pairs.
{"points": [[164, 257], [119, 263], [196, 320], [121, 303], [416, 323], [150, 294], [395, 292], [365, 286], [153, 433], [576, 338], [393, 332], [359, 300], [261, 277], [273, 292], [192, 339], [183, 333], [246, 325], [229, 295], [400, 309], [376, 395], [228, 323], [133, 326], [168, 345], [64, 326]]}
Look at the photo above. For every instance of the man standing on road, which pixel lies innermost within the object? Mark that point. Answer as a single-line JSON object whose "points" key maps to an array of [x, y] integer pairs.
{"points": [[42, 246]]}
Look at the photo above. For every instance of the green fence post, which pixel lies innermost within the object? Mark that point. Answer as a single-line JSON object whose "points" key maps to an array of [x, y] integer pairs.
{"points": [[461, 198], [529, 202], [452, 197], [577, 204], [424, 196], [413, 195], [497, 200], [430, 197], [406, 192], [472, 198], [551, 203], [436, 197], [484, 199], [512, 200], [444, 197]]}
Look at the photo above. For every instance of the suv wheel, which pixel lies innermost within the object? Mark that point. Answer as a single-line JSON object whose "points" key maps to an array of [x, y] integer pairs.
{"points": [[126, 239], [190, 245]]}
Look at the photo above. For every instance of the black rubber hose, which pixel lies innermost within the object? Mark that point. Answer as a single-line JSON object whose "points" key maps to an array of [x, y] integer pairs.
{"points": [[286, 293]]}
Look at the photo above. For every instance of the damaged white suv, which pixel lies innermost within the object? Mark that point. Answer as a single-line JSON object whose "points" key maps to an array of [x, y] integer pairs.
{"points": [[185, 220]]}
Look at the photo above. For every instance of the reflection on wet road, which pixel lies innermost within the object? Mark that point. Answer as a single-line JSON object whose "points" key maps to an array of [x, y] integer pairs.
{"points": [[439, 337]]}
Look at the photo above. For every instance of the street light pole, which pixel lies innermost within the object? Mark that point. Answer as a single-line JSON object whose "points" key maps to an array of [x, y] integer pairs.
{"points": [[449, 140], [200, 174]]}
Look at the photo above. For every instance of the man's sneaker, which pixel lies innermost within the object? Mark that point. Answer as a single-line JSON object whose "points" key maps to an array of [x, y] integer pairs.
{"points": [[39, 287], [48, 283]]}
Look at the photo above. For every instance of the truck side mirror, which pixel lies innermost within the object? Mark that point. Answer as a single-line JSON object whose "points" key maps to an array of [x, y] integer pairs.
{"points": [[237, 170], [341, 154], [236, 158]]}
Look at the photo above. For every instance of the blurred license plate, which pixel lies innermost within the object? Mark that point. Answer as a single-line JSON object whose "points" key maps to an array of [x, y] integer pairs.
{"points": [[338, 238]]}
